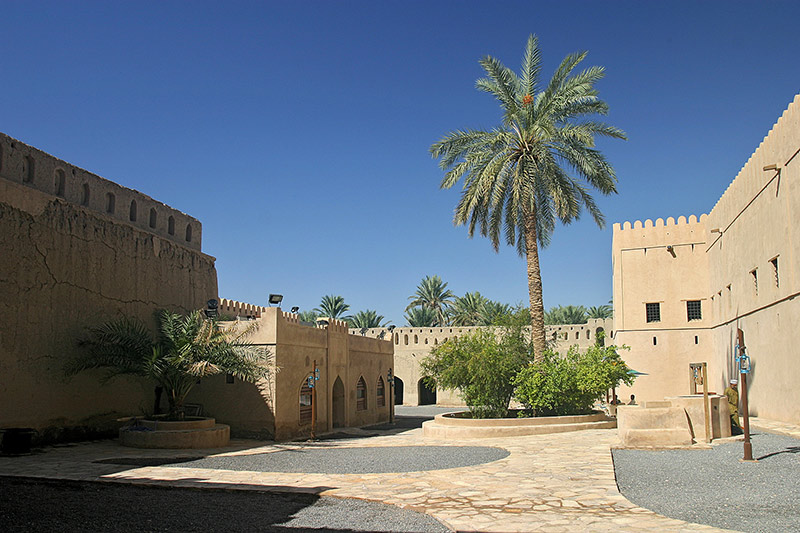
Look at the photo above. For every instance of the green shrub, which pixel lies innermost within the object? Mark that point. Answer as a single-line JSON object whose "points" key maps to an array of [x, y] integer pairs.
{"points": [[570, 385]]}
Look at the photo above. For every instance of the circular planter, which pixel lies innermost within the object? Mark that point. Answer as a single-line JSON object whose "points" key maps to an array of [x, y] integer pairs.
{"points": [[194, 432], [451, 426]]}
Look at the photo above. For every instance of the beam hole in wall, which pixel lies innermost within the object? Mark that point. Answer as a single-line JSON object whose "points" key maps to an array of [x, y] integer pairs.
{"points": [[153, 217], [171, 225], [60, 183], [29, 169], [188, 233], [696, 340], [132, 214], [85, 193], [111, 203], [655, 341]]}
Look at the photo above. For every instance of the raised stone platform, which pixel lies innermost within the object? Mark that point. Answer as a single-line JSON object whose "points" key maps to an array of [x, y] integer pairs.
{"points": [[447, 426], [190, 433]]}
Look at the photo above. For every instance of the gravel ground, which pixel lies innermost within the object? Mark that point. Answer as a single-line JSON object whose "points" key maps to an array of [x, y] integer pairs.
{"points": [[714, 487], [33, 505], [315, 459]]}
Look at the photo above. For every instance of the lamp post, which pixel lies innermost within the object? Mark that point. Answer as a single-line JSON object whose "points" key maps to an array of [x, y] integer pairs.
{"points": [[390, 381], [312, 384], [744, 368]]}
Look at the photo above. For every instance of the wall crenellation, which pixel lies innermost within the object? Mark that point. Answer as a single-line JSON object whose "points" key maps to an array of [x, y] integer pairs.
{"points": [[29, 166], [239, 309]]}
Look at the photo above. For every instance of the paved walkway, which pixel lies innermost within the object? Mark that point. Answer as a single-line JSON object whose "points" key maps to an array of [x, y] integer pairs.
{"points": [[552, 483]]}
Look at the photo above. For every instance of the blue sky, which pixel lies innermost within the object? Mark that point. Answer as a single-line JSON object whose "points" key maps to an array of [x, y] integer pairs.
{"points": [[298, 132]]}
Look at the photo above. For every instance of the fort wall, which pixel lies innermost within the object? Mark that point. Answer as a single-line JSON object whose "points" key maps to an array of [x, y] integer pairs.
{"points": [[31, 167]]}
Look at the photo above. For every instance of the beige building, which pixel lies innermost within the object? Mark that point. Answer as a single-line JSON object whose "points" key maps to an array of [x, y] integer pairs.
{"points": [[683, 288], [79, 250], [412, 345]]}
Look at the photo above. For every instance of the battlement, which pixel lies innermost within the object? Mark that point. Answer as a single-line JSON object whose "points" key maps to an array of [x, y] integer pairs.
{"points": [[31, 167], [240, 309], [660, 233]]}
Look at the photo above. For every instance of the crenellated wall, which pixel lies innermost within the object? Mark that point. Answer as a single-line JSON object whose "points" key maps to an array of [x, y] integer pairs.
{"points": [[31, 167], [232, 308]]}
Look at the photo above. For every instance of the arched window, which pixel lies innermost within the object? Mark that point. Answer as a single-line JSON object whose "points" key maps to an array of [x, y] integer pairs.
{"points": [[60, 183], [153, 217], [416, 339], [171, 225], [380, 395], [361, 394], [577, 335], [85, 194], [29, 169], [405, 339], [188, 233], [306, 399], [588, 334], [1, 157], [133, 211], [111, 203]]}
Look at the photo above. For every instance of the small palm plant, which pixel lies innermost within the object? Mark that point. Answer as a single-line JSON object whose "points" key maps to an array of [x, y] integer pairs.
{"points": [[188, 349]]}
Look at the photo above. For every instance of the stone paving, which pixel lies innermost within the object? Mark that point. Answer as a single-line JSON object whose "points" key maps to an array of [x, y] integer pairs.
{"points": [[551, 483]]}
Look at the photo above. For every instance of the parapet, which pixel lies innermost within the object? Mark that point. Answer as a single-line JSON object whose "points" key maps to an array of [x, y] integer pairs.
{"points": [[240, 309], [659, 233], [29, 166]]}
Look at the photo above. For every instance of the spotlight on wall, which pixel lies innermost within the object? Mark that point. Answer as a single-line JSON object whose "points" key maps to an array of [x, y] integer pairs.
{"points": [[212, 307], [295, 309], [275, 299], [716, 230], [322, 322], [391, 328], [771, 167]]}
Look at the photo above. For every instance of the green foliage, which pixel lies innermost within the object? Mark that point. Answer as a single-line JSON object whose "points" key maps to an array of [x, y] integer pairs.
{"points": [[421, 317], [333, 307], [571, 384], [308, 316], [466, 310], [493, 313], [569, 314], [601, 311], [432, 293], [188, 349], [367, 319], [481, 365]]}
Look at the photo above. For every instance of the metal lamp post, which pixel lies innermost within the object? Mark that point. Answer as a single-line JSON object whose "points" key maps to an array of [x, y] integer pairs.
{"points": [[390, 380], [312, 384], [744, 368]]}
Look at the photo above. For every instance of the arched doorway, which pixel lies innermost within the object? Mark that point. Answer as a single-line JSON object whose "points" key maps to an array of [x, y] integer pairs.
{"points": [[398, 391], [337, 403], [426, 393]]}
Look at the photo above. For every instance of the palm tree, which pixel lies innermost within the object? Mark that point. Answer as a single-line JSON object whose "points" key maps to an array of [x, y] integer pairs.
{"points": [[568, 314], [601, 311], [467, 310], [433, 293], [492, 312], [421, 317], [534, 168], [333, 307], [308, 316], [188, 349], [367, 319]]}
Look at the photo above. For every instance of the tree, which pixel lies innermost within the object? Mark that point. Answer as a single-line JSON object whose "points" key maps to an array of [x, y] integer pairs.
{"points": [[333, 307], [569, 314], [308, 316], [601, 311], [421, 317], [523, 175], [433, 293], [367, 319], [188, 348], [493, 312], [467, 310]]}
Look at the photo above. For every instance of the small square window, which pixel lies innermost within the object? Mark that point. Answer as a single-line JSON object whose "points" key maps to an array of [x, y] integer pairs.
{"points": [[693, 310], [653, 312]]}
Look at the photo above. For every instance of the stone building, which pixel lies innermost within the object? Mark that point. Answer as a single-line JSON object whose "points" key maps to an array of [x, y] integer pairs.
{"points": [[79, 250], [683, 288], [412, 345]]}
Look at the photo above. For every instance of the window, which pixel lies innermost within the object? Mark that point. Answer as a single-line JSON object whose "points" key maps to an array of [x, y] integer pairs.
{"points": [[774, 263], [132, 215], [188, 233], [305, 402], [693, 310], [361, 395], [153, 218], [655, 341], [380, 396], [111, 203], [653, 312], [29, 169], [60, 183], [754, 274], [171, 225], [86, 192]]}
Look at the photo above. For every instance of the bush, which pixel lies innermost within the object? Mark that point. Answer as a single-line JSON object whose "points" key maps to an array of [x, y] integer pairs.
{"points": [[482, 366], [570, 385]]}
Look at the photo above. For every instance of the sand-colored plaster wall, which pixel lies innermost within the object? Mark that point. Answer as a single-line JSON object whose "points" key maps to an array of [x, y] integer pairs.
{"points": [[65, 267]]}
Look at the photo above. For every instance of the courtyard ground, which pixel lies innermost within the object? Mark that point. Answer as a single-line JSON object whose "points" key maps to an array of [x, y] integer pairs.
{"points": [[556, 483]]}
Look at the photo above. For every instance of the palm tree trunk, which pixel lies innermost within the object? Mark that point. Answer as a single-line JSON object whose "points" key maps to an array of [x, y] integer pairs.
{"points": [[535, 288]]}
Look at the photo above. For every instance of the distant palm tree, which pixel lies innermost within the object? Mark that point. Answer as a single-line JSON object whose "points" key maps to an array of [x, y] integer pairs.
{"points": [[333, 307], [467, 310], [367, 319], [569, 314], [601, 311], [492, 312], [421, 317], [308, 316], [519, 176], [432, 293]]}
